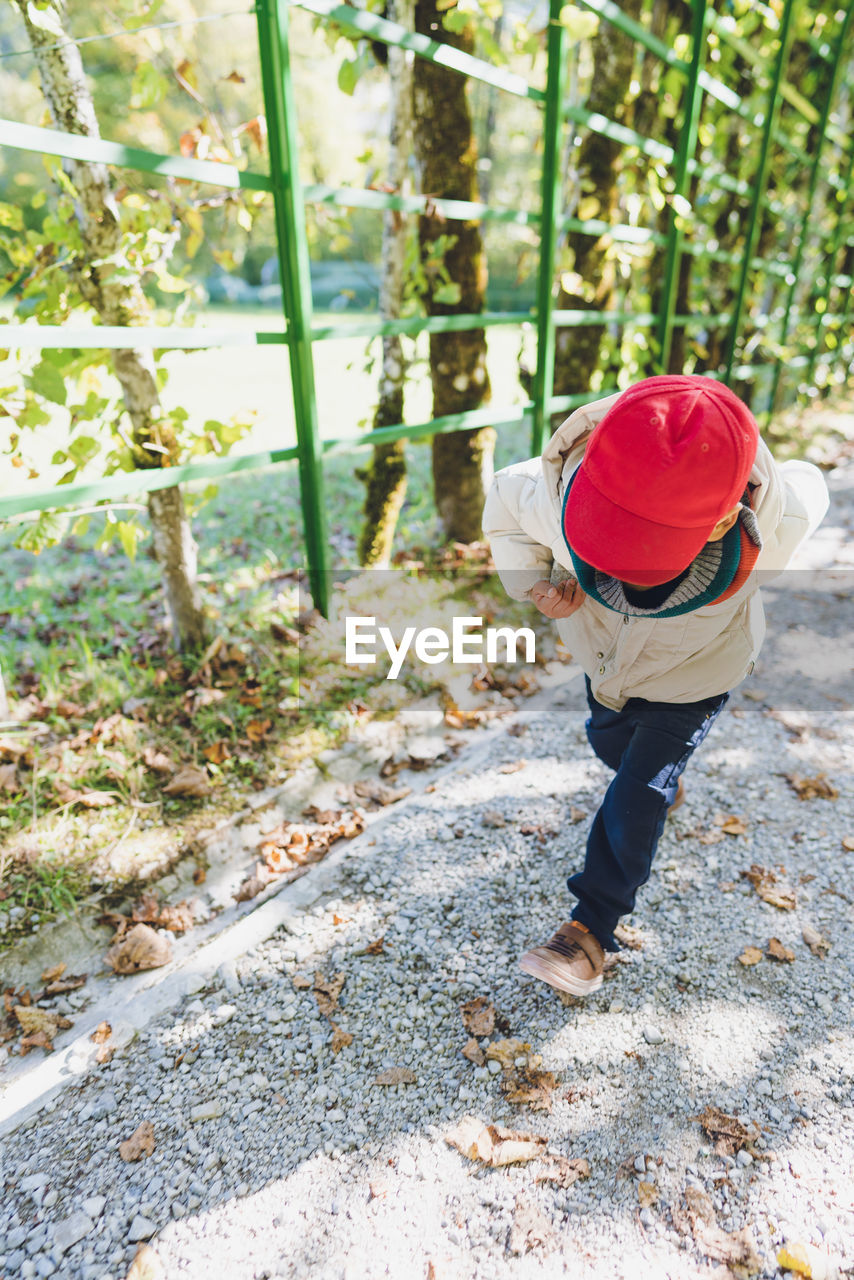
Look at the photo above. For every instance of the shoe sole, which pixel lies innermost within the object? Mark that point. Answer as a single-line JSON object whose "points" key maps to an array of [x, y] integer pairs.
{"points": [[539, 967]]}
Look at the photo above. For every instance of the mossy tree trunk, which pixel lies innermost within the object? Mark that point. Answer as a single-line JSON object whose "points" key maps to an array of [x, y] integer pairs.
{"points": [[117, 302], [385, 477], [447, 158], [589, 282]]}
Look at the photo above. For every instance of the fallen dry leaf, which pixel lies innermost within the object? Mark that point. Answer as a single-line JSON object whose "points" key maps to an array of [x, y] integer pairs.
{"points": [[727, 1132], [217, 752], [478, 1017], [252, 885], [34, 1020], [777, 951], [736, 1248], [89, 799], [301, 981], [35, 1040], [818, 945], [530, 1229], [562, 1172], [340, 1039], [818, 788], [700, 1204], [647, 1194], [770, 889], [731, 824], [188, 781], [805, 1260], [848, 843], [101, 1036], [139, 1144], [257, 730], [146, 1265], [750, 956], [327, 991], [380, 792], [140, 948], [513, 766], [522, 1080], [494, 1145], [472, 1050], [157, 761], [54, 973], [396, 1075]]}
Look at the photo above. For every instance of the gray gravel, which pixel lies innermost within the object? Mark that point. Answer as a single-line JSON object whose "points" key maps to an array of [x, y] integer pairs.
{"points": [[276, 1157]]}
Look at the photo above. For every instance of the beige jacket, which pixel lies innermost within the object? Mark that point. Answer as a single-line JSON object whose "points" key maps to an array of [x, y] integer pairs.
{"points": [[679, 659]]}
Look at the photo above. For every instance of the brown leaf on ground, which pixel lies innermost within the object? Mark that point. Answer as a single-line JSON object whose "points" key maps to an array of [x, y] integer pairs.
{"points": [[217, 752], [529, 1230], [848, 843], [727, 1132], [139, 1144], [140, 948], [327, 991], [750, 956], [700, 1204], [528, 1086], [188, 781], [147, 1265], [818, 788], [494, 1145], [375, 948], [818, 945], [472, 1050], [777, 951], [177, 917], [33, 1020], [380, 793], [9, 778], [252, 885], [562, 1172], [629, 937], [396, 1075], [478, 1017], [257, 730], [736, 1248], [55, 972], [731, 824], [771, 890], [513, 766], [89, 799], [301, 981], [538, 829], [69, 710], [157, 761], [647, 1194], [340, 1039], [102, 1033], [36, 1040]]}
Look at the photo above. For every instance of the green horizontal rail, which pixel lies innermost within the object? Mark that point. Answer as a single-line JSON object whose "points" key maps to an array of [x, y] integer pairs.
{"points": [[15, 337], [136, 482], [77, 146], [444, 55], [463, 210]]}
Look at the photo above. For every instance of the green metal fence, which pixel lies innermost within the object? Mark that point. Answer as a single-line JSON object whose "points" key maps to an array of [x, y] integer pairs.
{"points": [[810, 326]]}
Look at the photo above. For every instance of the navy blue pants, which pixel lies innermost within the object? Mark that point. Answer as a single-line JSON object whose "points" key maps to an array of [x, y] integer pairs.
{"points": [[647, 744]]}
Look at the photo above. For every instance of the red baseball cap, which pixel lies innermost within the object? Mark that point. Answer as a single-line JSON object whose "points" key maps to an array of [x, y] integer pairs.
{"points": [[669, 459]]}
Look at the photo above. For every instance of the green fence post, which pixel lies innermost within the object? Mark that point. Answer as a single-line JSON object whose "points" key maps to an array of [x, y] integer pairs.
{"points": [[684, 153], [805, 221], [550, 219], [844, 198], [772, 112], [294, 273]]}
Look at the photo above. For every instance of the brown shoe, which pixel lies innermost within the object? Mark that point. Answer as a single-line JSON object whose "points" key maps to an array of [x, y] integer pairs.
{"points": [[572, 961], [680, 797]]}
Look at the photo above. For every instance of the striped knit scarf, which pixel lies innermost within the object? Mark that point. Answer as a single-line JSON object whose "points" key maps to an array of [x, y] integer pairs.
{"points": [[717, 573]]}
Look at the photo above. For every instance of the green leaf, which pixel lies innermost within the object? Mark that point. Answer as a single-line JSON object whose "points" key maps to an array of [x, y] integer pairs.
{"points": [[83, 449], [580, 25], [148, 86], [348, 75], [456, 21], [46, 532], [48, 382], [130, 534], [12, 217], [448, 295]]}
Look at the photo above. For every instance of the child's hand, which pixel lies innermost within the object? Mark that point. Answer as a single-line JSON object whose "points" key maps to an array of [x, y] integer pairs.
{"points": [[557, 601]]}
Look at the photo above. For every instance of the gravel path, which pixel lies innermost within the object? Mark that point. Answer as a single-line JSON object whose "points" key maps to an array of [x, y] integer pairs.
{"points": [[277, 1153]]}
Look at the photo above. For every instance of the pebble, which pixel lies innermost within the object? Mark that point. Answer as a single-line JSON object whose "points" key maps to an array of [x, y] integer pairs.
{"points": [[207, 1111], [652, 1035], [71, 1229], [140, 1229]]}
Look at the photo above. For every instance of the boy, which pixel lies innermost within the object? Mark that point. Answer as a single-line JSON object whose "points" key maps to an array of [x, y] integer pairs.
{"points": [[664, 506]]}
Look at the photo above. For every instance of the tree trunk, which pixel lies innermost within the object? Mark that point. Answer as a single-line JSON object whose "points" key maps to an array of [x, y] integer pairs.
{"points": [[386, 475], [593, 265], [447, 157], [118, 302]]}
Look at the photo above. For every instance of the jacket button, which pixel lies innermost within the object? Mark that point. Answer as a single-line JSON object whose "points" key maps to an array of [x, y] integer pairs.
{"points": [[601, 671], [600, 655], [625, 619]]}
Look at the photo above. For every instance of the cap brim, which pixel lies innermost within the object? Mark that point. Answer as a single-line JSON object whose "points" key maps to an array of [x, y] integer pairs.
{"points": [[623, 545]]}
